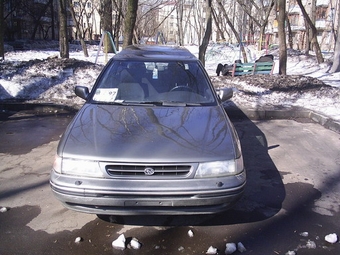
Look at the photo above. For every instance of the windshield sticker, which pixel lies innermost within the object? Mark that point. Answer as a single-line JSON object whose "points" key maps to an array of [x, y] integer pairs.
{"points": [[105, 95]]}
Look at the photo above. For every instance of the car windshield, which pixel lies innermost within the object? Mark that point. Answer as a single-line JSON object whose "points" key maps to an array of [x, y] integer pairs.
{"points": [[163, 83]]}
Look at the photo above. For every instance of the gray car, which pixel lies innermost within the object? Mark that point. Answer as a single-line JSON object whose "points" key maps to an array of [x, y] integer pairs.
{"points": [[151, 138]]}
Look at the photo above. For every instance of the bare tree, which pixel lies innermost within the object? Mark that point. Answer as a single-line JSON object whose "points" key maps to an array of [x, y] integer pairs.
{"points": [[314, 39], [130, 21], [37, 11], [148, 23], [236, 34], [117, 6], [106, 21], [83, 17], [2, 30], [218, 26], [207, 35], [282, 37], [290, 32], [263, 11], [63, 35], [199, 19], [78, 22], [336, 62]]}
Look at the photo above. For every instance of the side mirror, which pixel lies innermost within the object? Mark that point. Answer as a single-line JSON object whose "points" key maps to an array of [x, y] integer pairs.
{"points": [[81, 92], [225, 93]]}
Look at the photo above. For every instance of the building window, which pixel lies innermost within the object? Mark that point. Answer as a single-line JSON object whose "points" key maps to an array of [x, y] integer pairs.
{"points": [[321, 13], [294, 19]]}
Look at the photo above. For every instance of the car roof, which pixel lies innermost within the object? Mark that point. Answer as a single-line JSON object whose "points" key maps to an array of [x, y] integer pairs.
{"points": [[155, 53]]}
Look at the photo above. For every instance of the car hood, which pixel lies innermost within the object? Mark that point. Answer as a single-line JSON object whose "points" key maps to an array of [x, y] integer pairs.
{"points": [[149, 134]]}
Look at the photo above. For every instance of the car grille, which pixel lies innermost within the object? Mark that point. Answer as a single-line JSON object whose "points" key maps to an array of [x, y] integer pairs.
{"points": [[172, 171]]}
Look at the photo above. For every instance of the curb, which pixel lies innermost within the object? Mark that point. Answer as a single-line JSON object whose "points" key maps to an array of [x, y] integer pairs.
{"points": [[234, 112], [293, 113], [37, 108]]}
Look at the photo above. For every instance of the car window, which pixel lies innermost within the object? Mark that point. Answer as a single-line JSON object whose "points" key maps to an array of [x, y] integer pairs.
{"points": [[137, 81]]}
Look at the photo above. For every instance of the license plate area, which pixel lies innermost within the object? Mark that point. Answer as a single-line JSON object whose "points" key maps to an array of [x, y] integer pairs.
{"points": [[147, 203]]}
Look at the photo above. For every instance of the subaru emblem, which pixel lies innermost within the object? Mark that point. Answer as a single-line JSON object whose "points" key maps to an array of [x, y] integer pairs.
{"points": [[149, 171]]}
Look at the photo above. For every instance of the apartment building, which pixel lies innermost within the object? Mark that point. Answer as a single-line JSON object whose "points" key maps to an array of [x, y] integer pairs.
{"points": [[30, 19], [322, 12]]}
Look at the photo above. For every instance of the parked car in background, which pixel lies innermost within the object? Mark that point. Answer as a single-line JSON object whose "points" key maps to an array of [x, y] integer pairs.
{"points": [[151, 138]]}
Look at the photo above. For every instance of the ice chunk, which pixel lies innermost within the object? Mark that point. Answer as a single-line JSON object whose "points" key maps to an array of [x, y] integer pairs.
{"points": [[230, 248], [290, 253], [135, 244], [119, 243], [311, 244], [78, 239], [304, 234], [190, 233], [181, 248], [331, 238], [241, 247], [3, 209], [211, 250]]}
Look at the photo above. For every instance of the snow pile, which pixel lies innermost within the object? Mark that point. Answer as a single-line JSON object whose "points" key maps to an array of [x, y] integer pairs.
{"points": [[39, 76]]}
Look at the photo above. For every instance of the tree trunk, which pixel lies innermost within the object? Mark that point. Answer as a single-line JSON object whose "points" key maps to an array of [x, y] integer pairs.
{"points": [[81, 35], [290, 32], [130, 21], [314, 39], [282, 37], [179, 10], [52, 21], [63, 36], [2, 30], [106, 20], [118, 5], [336, 61], [207, 34]]}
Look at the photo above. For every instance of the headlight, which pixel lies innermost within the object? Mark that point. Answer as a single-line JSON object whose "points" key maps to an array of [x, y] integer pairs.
{"points": [[86, 168], [219, 168]]}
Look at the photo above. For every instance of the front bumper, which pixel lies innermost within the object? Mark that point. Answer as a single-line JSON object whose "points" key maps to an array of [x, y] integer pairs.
{"points": [[135, 197]]}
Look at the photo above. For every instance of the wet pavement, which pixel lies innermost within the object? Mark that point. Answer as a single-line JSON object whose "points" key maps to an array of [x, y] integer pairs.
{"points": [[293, 187]]}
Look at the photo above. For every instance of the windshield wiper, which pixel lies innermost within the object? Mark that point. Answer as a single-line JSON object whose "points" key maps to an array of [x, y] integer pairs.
{"points": [[176, 103], [153, 103], [158, 103]]}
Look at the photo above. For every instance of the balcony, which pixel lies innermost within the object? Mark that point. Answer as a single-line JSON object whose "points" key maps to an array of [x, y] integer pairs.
{"points": [[298, 28], [322, 3], [321, 24], [294, 9]]}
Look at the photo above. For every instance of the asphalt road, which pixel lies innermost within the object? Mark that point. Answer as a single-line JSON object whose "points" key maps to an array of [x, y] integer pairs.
{"points": [[293, 187]]}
